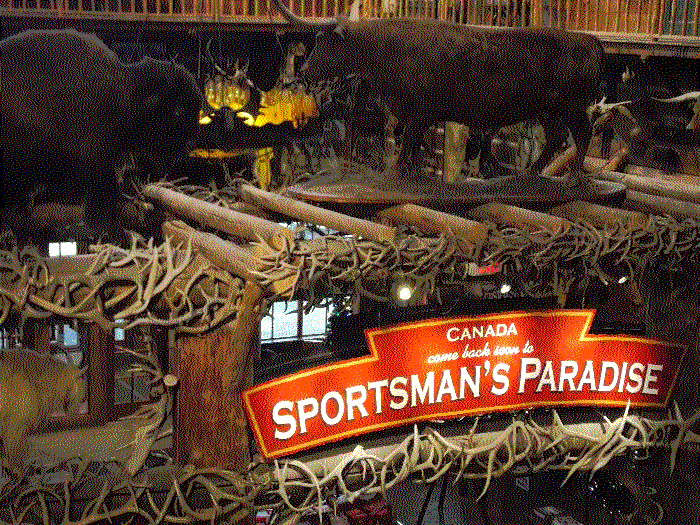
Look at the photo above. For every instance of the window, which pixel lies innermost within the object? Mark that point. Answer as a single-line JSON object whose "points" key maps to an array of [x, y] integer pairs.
{"points": [[287, 321], [682, 21], [130, 385], [9, 339], [62, 249]]}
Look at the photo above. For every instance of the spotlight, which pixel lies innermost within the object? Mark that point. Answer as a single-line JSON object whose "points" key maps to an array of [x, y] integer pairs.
{"points": [[505, 288], [402, 292]]}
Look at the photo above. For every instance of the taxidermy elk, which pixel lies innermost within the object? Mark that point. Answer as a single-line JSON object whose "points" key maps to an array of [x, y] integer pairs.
{"points": [[72, 111], [428, 71], [32, 386]]}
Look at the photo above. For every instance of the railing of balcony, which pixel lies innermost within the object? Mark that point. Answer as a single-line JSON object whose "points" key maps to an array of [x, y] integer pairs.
{"points": [[624, 17]]}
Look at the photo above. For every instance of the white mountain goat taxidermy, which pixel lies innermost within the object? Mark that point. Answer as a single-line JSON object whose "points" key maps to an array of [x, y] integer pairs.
{"points": [[32, 386]]}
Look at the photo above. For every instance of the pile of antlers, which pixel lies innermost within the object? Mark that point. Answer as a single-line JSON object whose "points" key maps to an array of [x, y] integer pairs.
{"points": [[540, 262], [162, 285], [292, 486]]}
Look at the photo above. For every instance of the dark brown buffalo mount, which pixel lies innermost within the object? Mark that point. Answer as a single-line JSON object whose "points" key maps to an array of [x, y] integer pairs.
{"points": [[428, 71], [72, 111]]}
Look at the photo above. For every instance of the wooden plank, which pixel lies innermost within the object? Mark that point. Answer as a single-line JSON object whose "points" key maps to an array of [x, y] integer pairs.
{"points": [[674, 7], [657, 22], [588, 15], [229, 221], [507, 215], [315, 215]]}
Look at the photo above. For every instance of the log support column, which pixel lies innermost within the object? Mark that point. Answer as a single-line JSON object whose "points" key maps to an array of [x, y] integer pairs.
{"points": [[211, 427]]}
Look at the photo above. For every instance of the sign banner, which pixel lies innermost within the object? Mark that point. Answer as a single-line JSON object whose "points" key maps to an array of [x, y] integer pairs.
{"points": [[447, 368]]}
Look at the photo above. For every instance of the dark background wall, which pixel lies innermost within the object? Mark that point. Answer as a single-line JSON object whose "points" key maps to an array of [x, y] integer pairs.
{"points": [[262, 47]]}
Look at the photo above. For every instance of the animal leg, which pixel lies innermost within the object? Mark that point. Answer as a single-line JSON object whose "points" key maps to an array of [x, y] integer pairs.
{"points": [[13, 445], [103, 206], [409, 162], [555, 134], [581, 131]]}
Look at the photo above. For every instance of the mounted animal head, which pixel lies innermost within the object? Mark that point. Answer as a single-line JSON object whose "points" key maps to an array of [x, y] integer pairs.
{"points": [[332, 55], [602, 114], [165, 106]]}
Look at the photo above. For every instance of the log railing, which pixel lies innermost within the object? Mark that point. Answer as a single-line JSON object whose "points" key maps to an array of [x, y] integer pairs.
{"points": [[650, 17]]}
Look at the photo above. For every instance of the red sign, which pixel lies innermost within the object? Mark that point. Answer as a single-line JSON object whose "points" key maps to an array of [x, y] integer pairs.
{"points": [[446, 368]]}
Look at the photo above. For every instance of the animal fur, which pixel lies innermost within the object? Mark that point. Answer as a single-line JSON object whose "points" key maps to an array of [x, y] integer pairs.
{"points": [[32, 386], [428, 71]]}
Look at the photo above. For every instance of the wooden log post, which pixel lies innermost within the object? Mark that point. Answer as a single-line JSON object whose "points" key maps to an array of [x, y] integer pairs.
{"points": [[211, 429], [211, 426], [453, 151]]}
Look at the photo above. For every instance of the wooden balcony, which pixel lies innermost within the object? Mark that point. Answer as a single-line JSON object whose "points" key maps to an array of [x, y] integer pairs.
{"points": [[647, 27]]}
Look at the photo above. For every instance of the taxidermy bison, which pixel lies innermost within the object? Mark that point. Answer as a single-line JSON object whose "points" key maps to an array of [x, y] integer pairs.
{"points": [[72, 111], [32, 386], [650, 127], [427, 71]]}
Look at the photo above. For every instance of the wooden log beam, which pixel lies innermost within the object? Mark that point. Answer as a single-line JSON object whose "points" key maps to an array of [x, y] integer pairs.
{"points": [[619, 158], [555, 167], [599, 216], [223, 254], [69, 268], [436, 222], [228, 221], [315, 215], [593, 164], [516, 217], [653, 186], [657, 205]]}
